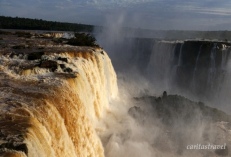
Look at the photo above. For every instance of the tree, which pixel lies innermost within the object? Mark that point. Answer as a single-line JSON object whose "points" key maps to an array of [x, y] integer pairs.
{"points": [[83, 39]]}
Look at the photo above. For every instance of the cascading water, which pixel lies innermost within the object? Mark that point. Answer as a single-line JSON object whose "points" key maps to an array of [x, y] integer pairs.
{"points": [[195, 69], [212, 69], [225, 56], [159, 67], [52, 101], [180, 55]]}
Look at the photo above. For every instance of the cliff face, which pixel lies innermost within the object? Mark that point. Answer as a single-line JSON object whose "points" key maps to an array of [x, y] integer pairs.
{"points": [[196, 68], [52, 97]]}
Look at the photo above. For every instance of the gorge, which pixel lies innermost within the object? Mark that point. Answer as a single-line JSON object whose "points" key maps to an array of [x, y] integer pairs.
{"points": [[63, 100]]}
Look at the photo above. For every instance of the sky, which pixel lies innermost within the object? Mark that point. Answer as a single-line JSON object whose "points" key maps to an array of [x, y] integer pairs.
{"points": [[148, 14]]}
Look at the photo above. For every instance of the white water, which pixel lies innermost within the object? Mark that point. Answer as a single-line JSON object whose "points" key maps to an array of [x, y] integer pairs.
{"points": [[195, 69], [212, 69], [159, 69], [59, 113]]}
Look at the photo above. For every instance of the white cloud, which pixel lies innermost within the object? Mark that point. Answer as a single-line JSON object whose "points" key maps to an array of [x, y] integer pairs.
{"points": [[214, 11], [116, 3], [209, 10]]}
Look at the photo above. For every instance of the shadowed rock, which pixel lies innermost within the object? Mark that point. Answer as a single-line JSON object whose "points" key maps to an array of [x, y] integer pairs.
{"points": [[35, 55], [63, 59], [15, 146], [53, 65]]}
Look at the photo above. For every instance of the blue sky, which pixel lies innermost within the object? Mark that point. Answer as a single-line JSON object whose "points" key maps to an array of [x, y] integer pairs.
{"points": [[151, 14]]}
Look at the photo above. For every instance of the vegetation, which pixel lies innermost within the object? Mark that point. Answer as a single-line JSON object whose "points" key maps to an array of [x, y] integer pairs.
{"points": [[39, 24], [82, 39]]}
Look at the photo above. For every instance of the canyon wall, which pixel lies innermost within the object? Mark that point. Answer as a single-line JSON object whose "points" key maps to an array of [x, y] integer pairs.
{"points": [[199, 69]]}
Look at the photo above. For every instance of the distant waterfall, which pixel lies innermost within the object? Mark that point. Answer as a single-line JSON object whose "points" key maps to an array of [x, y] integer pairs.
{"points": [[193, 67], [212, 69], [225, 56], [180, 55], [159, 69], [190, 67]]}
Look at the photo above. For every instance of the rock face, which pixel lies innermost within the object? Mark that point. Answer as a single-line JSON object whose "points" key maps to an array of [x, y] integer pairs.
{"points": [[35, 55], [182, 123], [50, 101], [52, 65]]}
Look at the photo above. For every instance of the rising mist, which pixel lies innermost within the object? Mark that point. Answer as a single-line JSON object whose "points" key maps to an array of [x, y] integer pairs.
{"points": [[143, 122]]}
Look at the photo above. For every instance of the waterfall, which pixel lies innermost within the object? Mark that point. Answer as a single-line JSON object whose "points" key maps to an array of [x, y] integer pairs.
{"points": [[225, 53], [56, 114], [190, 67], [195, 69], [212, 68], [180, 55], [160, 64], [224, 88]]}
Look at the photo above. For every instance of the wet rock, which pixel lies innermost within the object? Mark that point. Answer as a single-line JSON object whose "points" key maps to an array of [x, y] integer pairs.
{"points": [[66, 75], [15, 146], [68, 70], [102, 52], [63, 59], [62, 66], [35, 55], [53, 65], [19, 47]]}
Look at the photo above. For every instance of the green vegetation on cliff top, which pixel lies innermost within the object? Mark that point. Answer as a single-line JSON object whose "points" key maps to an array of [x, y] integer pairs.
{"points": [[39, 24]]}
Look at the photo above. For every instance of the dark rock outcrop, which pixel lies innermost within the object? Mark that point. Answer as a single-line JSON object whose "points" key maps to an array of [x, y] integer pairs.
{"points": [[63, 59], [35, 55], [15, 146], [50, 64]]}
